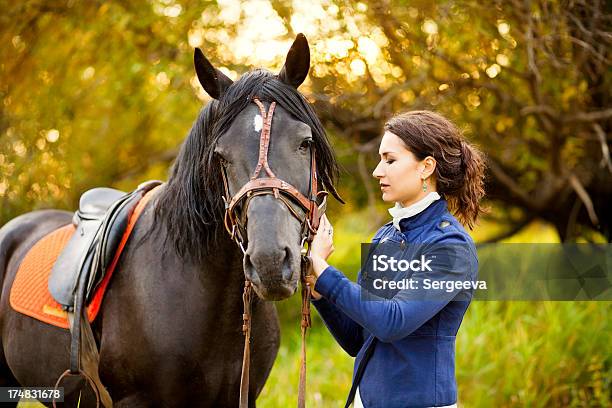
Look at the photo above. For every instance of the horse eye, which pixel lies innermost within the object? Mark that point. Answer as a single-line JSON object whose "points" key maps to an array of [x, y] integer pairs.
{"points": [[305, 145]]}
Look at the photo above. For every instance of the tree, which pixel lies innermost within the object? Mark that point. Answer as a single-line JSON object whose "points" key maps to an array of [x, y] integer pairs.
{"points": [[102, 93], [532, 80]]}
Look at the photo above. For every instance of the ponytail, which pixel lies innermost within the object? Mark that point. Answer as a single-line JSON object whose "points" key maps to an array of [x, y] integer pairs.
{"points": [[465, 202], [460, 167]]}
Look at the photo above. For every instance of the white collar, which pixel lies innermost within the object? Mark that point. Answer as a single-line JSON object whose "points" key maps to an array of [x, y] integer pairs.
{"points": [[399, 213]]}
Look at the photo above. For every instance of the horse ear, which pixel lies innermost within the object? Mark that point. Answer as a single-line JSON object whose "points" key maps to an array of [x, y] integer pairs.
{"points": [[297, 64], [212, 80]]}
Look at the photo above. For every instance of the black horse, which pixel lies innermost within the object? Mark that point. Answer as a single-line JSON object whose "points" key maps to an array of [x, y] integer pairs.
{"points": [[169, 330]]}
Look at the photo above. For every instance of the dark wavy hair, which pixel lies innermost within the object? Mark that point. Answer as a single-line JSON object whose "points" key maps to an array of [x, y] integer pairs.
{"points": [[460, 168], [190, 206]]}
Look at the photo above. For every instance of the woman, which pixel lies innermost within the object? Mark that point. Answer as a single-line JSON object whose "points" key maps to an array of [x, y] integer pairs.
{"points": [[405, 344]]}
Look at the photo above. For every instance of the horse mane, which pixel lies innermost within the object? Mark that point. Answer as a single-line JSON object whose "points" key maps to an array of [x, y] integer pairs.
{"points": [[190, 206]]}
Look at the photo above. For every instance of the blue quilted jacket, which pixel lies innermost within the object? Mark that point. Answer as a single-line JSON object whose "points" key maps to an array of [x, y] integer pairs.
{"points": [[405, 350]]}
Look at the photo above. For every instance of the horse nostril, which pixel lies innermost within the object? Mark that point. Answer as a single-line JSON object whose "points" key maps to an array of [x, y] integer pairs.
{"points": [[249, 270], [287, 270]]}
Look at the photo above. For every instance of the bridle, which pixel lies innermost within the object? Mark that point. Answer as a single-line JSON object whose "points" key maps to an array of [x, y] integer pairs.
{"points": [[272, 185], [236, 227]]}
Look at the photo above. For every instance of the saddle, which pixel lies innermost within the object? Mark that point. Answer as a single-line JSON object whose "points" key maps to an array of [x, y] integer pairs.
{"points": [[100, 221]]}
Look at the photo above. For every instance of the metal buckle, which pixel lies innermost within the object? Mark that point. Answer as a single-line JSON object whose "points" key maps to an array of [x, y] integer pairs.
{"points": [[304, 250]]}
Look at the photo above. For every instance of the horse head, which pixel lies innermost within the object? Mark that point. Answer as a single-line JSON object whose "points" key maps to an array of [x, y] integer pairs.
{"points": [[263, 145]]}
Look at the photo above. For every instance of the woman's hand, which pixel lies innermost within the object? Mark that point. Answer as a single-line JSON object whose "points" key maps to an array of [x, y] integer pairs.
{"points": [[321, 247]]}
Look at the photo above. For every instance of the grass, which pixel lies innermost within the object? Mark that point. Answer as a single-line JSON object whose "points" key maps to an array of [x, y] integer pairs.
{"points": [[509, 354]]}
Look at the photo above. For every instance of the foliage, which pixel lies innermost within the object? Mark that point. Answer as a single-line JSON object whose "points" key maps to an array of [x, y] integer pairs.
{"points": [[100, 93]]}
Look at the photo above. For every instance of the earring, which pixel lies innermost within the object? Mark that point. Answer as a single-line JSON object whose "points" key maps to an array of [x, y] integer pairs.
{"points": [[424, 185]]}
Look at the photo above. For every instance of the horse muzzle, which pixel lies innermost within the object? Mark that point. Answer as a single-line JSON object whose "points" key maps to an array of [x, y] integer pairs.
{"points": [[274, 273]]}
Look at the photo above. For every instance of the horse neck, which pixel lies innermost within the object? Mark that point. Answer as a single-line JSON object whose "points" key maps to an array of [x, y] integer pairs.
{"points": [[221, 275], [220, 271], [223, 263]]}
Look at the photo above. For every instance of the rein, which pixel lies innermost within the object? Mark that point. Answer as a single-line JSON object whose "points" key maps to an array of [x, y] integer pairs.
{"points": [[235, 225]]}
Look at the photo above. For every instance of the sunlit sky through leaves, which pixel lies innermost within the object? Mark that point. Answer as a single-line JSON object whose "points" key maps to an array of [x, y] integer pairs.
{"points": [[261, 37]]}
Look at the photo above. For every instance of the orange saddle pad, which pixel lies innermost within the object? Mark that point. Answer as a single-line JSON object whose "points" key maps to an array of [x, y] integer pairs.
{"points": [[30, 294]]}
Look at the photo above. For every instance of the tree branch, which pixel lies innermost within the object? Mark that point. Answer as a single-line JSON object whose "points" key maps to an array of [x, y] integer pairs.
{"points": [[515, 190], [589, 116], [584, 196], [605, 150], [516, 227]]}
